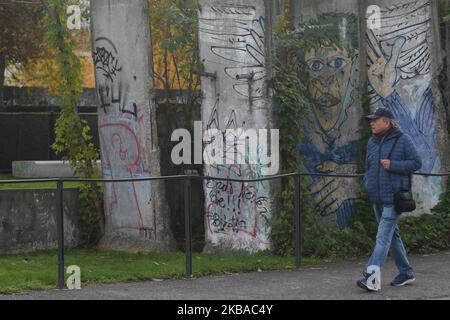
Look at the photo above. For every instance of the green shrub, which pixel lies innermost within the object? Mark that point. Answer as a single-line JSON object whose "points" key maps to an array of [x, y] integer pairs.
{"points": [[423, 234], [429, 232], [318, 239]]}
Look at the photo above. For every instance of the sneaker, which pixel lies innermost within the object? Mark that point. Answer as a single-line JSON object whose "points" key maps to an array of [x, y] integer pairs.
{"points": [[402, 279], [362, 283]]}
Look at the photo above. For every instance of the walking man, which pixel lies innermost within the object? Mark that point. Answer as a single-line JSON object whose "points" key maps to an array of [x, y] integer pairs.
{"points": [[391, 159]]}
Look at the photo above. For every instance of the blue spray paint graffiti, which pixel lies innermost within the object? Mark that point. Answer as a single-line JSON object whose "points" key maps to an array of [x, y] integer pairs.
{"points": [[399, 73], [331, 144]]}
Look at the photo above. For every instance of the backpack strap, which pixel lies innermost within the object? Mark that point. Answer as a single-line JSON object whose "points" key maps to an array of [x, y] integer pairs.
{"points": [[393, 146], [389, 157]]}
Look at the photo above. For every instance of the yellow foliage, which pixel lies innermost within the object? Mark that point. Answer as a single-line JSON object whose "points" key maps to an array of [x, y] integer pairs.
{"points": [[173, 31], [42, 73], [169, 23]]}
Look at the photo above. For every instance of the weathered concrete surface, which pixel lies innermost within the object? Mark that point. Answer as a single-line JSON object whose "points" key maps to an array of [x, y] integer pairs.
{"points": [[28, 220], [333, 117], [334, 281], [136, 212], [43, 169], [406, 53], [233, 51]]}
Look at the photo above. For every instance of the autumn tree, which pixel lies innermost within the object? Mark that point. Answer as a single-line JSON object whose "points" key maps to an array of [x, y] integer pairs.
{"points": [[21, 33], [174, 31]]}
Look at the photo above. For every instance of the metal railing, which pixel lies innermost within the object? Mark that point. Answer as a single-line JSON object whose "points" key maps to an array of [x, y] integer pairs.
{"points": [[187, 206]]}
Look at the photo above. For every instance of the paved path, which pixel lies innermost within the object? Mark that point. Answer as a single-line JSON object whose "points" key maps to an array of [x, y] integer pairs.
{"points": [[329, 281]]}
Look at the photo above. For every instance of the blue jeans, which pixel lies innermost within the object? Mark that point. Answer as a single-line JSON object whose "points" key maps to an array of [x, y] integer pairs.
{"points": [[388, 237]]}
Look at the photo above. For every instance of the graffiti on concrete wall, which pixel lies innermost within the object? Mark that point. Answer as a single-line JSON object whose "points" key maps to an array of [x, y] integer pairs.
{"points": [[331, 145], [122, 137], [112, 92], [239, 208], [236, 36], [399, 59], [237, 215]]}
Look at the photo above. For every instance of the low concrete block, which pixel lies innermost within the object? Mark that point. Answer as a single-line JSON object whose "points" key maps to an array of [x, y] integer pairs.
{"points": [[43, 169], [28, 220]]}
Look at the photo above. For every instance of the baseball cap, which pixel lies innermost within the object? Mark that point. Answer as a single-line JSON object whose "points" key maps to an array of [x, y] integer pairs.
{"points": [[381, 112]]}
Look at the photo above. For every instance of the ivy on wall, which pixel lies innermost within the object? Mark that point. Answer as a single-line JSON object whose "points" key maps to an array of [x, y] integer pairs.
{"points": [[72, 133]]}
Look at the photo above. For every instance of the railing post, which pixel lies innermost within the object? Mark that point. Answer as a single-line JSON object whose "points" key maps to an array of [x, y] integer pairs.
{"points": [[298, 215], [60, 231], [188, 224]]}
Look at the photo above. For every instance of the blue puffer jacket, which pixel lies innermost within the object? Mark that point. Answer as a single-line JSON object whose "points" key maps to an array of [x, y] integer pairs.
{"points": [[381, 184]]}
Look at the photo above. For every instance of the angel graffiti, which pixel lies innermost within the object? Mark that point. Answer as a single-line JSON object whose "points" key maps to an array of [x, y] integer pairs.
{"points": [[399, 73], [331, 145], [236, 42]]}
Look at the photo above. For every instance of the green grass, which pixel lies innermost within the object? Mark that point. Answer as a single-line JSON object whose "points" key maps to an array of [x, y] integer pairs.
{"points": [[35, 271], [34, 185]]}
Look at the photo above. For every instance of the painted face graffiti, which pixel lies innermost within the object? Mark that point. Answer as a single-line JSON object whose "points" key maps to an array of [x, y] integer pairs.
{"points": [[331, 143], [330, 68]]}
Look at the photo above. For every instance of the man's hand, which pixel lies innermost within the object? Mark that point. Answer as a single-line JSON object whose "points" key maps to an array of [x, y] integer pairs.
{"points": [[383, 73], [386, 164], [329, 192]]}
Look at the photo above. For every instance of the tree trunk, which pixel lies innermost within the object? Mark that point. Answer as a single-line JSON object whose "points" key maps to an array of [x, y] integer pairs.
{"points": [[2, 77]]}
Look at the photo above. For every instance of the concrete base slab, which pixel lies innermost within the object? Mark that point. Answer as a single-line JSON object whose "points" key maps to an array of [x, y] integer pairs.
{"points": [[43, 169]]}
